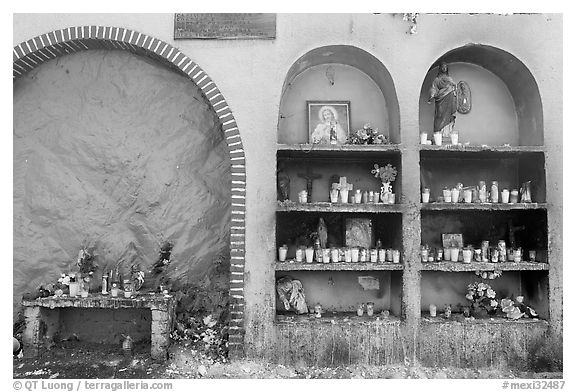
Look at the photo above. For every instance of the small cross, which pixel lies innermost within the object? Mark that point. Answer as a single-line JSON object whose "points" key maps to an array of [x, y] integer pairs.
{"points": [[343, 185], [309, 176]]}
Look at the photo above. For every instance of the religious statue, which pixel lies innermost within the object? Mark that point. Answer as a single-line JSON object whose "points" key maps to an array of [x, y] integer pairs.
{"points": [[291, 293], [449, 98], [283, 183]]}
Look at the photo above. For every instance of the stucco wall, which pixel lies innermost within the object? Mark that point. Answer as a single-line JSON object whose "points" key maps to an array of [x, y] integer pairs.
{"points": [[250, 75]]}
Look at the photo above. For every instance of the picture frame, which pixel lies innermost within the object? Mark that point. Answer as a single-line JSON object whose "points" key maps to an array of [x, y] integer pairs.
{"points": [[449, 240], [328, 122]]}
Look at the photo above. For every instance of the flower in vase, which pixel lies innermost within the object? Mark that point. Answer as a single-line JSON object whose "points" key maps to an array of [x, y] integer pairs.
{"points": [[386, 174], [490, 293]]}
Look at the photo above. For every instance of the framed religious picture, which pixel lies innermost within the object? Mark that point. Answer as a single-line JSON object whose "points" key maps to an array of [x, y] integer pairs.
{"points": [[328, 121], [451, 240]]}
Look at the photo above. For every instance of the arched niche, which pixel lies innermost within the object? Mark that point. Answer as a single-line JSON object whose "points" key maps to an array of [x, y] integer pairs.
{"points": [[506, 102], [357, 76]]}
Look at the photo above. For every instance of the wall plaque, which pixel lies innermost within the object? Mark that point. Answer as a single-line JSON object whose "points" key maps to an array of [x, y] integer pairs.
{"points": [[224, 26]]}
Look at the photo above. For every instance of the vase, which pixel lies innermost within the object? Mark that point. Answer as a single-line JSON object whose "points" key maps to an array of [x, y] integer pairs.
{"points": [[385, 191], [479, 312]]}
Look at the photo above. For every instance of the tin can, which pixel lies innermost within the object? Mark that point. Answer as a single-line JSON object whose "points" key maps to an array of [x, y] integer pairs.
{"points": [[502, 250]]}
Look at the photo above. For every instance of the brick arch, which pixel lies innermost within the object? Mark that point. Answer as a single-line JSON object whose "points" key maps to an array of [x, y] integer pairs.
{"points": [[32, 53]]}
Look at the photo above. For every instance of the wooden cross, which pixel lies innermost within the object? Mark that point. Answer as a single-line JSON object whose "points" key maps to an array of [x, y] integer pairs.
{"points": [[309, 176]]}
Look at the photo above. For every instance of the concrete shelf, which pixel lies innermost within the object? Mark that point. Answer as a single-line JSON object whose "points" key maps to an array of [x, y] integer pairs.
{"points": [[458, 318], [340, 266], [376, 208], [448, 266], [482, 206], [345, 318], [345, 151], [479, 149]]}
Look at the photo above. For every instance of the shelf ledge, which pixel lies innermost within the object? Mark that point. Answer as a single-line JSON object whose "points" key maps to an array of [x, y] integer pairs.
{"points": [[377, 208], [481, 148], [308, 147], [435, 206], [460, 319], [340, 266], [335, 318], [450, 266]]}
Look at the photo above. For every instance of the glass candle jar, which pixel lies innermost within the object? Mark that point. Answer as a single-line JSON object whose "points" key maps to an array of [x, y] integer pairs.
{"points": [[114, 290], [494, 192], [309, 254], [424, 254], [467, 195], [355, 253], [335, 254], [514, 196], [432, 309], [127, 286], [381, 255], [326, 256], [347, 255], [425, 195], [505, 195], [370, 309], [454, 195], [373, 255], [282, 252]]}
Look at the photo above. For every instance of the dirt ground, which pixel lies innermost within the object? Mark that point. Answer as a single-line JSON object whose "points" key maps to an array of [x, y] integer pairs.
{"points": [[74, 361]]}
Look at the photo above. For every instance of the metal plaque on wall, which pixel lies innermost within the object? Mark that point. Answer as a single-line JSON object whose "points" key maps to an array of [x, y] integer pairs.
{"points": [[224, 26]]}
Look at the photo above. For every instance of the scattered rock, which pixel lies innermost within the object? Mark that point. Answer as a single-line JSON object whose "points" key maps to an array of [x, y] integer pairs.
{"points": [[441, 375], [202, 371]]}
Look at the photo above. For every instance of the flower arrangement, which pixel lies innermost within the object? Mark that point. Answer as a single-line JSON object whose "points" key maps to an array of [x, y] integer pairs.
{"points": [[516, 309], [65, 280], [482, 298], [85, 262], [386, 174], [367, 135]]}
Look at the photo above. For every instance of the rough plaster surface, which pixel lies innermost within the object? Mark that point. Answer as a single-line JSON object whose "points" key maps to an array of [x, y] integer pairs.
{"points": [[254, 100], [113, 150]]}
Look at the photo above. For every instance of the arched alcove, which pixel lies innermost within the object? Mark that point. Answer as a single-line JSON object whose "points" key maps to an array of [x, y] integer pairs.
{"points": [[339, 73], [29, 55], [506, 102]]}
